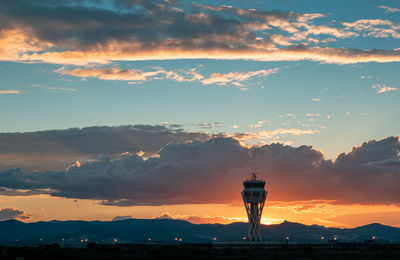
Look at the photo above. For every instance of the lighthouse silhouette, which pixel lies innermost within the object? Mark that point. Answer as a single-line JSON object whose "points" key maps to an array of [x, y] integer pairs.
{"points": [[254, 195]]}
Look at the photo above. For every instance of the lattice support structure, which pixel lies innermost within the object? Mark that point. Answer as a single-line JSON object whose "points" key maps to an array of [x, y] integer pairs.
{"points": [[254, 196]]}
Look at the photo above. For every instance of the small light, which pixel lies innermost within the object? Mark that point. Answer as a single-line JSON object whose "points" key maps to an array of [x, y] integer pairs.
{"points": [[373, 237], [86, 239], [287, 238], [335, 238], [180, 239], [149, 239], [115, 240], [62, 239], [81, 240], [214, 238], [176, 239], [322, 238], [244, 238]]}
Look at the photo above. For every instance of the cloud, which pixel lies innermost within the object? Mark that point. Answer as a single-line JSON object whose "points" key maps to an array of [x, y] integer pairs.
{"points": [[111, 73], [272, 134], [260, 123], [10, 91], [383, 88], [116, 73], [58, 149], [9, 213], [53, 88], [223, 78], [206, 125], [368, 174], [80, 34], [62, 149], [199, 219], [116, 218], [389, 9], [376, 28]]}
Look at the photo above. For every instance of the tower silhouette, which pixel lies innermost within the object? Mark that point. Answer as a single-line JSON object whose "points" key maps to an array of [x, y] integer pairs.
{"points": [[254, 196]]}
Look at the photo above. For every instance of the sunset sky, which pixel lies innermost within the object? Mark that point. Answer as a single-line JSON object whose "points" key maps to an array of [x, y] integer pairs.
{"points": [[114, 109]]}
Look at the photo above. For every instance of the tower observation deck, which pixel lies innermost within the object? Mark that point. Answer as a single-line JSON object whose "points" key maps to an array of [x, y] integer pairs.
{"points": [[254, 195]]}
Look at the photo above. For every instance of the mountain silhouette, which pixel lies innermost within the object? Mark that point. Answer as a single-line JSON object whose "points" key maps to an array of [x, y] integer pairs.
{"points": [[14, 232]]}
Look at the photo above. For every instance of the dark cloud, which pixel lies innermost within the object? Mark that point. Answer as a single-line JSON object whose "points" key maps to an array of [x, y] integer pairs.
{"points": [[116, 218], [212, 172], [56, 149], [9, 213]]}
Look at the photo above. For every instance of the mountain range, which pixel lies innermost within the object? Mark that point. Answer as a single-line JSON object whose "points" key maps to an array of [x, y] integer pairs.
{"points": [[13, 232]]}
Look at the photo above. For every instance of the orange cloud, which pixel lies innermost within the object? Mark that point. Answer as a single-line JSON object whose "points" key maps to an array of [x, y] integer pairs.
{"points": [[321, 54], [383, 88], [375, 28], [155, 33], [10, 91]]}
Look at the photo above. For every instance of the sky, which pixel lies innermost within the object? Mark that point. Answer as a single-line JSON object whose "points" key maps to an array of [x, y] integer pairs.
{"points": [[115, 109]]}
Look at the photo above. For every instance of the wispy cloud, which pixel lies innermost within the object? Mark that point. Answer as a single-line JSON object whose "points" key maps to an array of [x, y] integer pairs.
{"points": [[271, 134], [135, 75], [223, 78], [53, 88], [207, 125], [389, 9], [376, 28], [260, 123], [383, 88], [10, 91]]}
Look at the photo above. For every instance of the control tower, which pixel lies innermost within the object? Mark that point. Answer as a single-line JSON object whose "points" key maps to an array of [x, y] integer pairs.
{"points": [[254, 196]]}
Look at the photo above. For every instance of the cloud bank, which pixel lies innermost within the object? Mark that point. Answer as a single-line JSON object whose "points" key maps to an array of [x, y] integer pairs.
{"points": [[211, 171], [85, 32], [57, 149], [62, 149]]}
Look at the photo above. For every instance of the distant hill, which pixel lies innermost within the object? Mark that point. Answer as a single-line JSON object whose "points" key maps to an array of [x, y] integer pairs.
{"points": [[13, 232]]}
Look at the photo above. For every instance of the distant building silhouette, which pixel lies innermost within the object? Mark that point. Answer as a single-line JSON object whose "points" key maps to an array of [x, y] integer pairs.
{"points": [[254, 196]]}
